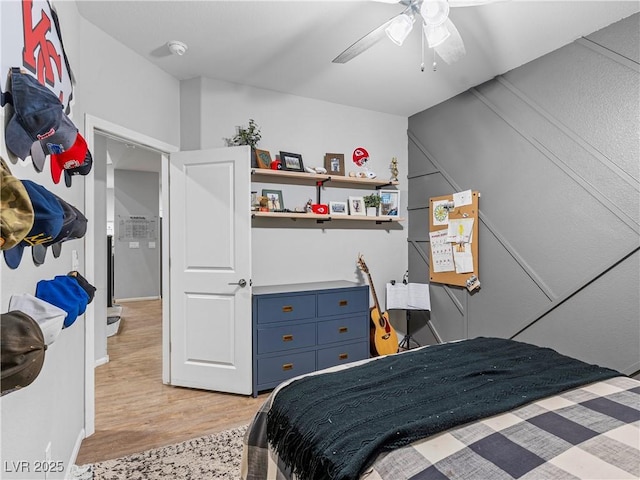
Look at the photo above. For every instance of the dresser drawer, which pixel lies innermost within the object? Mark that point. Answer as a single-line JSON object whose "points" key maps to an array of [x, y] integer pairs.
{"points": [[288, 337], [342, 302], [277, 369], [328, 357], [286, 307], [347, 328]]}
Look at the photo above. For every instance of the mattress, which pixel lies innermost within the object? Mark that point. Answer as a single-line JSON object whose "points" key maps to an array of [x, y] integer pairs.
{"points": [[591, 431]]}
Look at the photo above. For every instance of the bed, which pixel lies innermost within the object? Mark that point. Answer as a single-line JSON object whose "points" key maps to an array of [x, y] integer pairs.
{"points": [[483, 408]]}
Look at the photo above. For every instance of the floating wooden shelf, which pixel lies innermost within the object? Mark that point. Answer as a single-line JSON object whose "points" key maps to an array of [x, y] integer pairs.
{"points": [[264, 175], [325, 218], [319, 180]]}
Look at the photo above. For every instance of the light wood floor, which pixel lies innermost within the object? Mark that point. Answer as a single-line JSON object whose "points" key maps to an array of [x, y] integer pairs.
{"points": [[135, 411]]}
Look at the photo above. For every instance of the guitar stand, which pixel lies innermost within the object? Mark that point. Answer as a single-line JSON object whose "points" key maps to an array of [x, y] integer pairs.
{"points": [[408, 338]]}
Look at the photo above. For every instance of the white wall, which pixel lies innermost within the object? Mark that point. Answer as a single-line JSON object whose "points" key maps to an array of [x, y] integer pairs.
{"points": [[119, 86], [294, 252], [116, 85], [51, 409]]}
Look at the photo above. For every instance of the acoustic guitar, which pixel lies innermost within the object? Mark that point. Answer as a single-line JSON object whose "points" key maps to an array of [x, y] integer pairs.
{"points": [[383, 337]]}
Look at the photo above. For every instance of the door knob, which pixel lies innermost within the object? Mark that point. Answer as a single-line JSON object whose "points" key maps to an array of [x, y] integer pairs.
{"points": [[242, 283]]}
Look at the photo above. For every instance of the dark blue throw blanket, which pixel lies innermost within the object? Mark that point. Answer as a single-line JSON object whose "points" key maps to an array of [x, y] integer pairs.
{"points": [[332, 426]]}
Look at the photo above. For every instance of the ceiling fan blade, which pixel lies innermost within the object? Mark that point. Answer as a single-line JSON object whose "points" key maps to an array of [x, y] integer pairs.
{"points": [[472, 3], [452, 49], [366, 42]]}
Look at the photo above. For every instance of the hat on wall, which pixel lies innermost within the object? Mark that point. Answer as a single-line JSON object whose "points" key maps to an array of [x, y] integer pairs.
{"points": [[36, 114], [7, 103], [64, 292], [84, 283], [16, 210], [22, 350], [83, 169], [49, 317], [47, 221], [68, 149], [74, 225], [77, 229]]}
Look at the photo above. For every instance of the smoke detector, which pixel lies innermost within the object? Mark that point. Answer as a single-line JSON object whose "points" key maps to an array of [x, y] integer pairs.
{"points": [[177, 48]]}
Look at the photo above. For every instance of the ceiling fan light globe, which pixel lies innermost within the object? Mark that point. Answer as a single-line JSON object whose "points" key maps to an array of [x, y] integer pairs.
{"points": [[436, 34], [434, 12], [399, 29]]}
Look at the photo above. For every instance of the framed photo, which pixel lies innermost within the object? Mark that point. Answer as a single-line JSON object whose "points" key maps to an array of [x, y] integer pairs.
{"points": [[390, 203], [263, 158], [338, 208], [291, 162], [275, 199], [334, 163], [356, 206]]}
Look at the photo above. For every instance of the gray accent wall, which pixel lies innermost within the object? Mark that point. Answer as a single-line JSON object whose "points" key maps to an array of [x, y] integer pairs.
{"points": [[553, 149]]}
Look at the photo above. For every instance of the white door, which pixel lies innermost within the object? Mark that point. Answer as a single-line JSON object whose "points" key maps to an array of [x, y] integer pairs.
{"points": [[210, 269]]}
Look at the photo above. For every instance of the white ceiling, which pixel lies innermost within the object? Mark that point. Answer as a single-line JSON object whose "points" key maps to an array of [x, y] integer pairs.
{"points": [[127, 156], [287, 46], [120, 153]]}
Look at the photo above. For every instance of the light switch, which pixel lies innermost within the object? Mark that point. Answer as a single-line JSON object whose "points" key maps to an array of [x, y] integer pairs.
{"points": [[74, 260]]}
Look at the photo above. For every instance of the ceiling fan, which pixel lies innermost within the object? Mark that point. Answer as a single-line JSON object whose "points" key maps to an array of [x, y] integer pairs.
{"points": [[439, 31]]}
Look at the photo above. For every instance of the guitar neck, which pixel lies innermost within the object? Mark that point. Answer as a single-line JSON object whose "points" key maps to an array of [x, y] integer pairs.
{"points": [[373, 293]]}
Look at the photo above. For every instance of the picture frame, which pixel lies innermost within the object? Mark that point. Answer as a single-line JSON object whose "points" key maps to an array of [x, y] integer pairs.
{"points": [[276, 201], [291, 162], [389, 203], [263, 158], [356, 206], [338, 208], [334, 163]]}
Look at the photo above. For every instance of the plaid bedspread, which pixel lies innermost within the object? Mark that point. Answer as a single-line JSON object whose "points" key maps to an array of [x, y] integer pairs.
{"points": [[589, 432]]}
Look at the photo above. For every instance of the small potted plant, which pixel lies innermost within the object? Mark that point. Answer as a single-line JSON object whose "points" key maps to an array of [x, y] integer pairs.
{"points": [[247, 136], [372, 202]]}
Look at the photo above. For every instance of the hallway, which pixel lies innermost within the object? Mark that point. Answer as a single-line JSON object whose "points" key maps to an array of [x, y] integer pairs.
{"points": [[135, 411]]}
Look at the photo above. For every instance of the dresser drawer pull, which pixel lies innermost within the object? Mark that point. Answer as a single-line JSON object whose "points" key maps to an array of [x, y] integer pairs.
{"points": [[343, 356], [343, 303], [287, 366], [343, 329], [287, 338], [287, 308]]}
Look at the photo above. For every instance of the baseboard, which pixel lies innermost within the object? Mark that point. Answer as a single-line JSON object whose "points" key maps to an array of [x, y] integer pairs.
{"points": [[102, 361], [136, 299], [74, 454]]}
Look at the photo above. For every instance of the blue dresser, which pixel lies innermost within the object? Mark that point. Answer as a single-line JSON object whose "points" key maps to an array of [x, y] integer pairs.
{"points": [[306, 327]]}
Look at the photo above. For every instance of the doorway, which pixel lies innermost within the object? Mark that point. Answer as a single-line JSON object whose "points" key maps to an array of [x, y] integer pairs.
{"points": [[134, 210], [98, 133]]}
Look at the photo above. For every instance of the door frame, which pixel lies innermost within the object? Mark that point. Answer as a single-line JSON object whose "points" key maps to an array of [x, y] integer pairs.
{"points": [[93, 126]]}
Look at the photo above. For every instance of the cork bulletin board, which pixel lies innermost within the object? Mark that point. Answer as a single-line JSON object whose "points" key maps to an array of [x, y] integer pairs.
{"points": [[460, 212]]}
